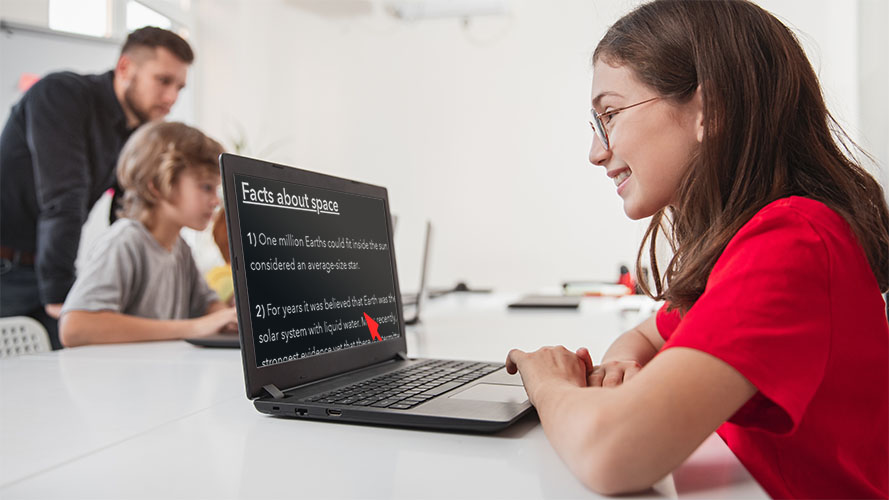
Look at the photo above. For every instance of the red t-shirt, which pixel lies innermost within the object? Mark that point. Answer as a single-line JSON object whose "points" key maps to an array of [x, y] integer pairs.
{"points": [[793, 305]]}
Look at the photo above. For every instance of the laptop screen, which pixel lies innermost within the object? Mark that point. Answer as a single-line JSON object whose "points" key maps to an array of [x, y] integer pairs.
{"points": [[318, 269]]}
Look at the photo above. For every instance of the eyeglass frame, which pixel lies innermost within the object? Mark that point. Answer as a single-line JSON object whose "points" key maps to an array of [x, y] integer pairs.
{"points": [[599, 127]]}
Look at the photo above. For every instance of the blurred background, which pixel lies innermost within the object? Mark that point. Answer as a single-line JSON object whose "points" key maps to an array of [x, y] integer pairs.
{"points": [[473, 113]]}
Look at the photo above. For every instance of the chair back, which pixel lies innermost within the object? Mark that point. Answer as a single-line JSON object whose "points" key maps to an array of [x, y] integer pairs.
{"points": [[22, 335]]}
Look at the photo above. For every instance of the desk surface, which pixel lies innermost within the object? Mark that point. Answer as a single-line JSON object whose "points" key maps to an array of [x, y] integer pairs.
{"points": [[169, 419]]}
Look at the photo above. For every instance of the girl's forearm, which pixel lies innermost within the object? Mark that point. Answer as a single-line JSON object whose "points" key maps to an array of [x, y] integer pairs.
{"points": [[632, 345]]}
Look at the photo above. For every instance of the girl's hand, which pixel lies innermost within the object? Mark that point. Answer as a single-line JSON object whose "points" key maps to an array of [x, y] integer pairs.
{"points": [[613, 373], [549, 365]]}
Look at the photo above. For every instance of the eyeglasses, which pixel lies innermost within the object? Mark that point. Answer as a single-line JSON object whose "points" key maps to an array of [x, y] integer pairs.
{"points": [[599, 125]]}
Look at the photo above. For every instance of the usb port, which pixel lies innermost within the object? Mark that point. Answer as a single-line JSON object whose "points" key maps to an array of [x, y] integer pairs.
{"points": [[334, 413]]}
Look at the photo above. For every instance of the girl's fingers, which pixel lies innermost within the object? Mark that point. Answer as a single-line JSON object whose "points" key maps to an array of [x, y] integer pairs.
{"points": [[584, 354], [613, 378], [630, 372]]}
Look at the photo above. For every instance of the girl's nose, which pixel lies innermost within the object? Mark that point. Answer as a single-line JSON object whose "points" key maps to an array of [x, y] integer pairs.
{"points": [[598, 154]]}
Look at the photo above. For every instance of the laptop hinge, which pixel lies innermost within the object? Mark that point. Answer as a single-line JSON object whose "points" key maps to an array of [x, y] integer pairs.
{"points": [[273, 391], [401, 356]]}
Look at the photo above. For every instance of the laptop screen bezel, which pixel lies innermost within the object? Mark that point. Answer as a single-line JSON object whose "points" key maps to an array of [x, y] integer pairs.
{"points": [[294, 373]]}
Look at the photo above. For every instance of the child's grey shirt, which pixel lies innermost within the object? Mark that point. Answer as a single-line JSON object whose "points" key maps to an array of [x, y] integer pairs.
{"points": [[129, 272]]}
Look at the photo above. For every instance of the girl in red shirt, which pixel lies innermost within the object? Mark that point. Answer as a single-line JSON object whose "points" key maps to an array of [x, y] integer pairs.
{"points": [[710, 119]]}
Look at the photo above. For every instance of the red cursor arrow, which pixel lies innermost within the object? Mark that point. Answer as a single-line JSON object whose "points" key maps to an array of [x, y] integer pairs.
{"points": [[372, 326]]}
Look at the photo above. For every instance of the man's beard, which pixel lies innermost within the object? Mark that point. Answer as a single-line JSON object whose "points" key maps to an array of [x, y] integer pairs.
{"points": [[129, 96]]}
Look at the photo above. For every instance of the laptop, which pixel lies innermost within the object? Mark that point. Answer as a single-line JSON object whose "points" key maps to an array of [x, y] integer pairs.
{"points": [[320, 312], [415, 299]]}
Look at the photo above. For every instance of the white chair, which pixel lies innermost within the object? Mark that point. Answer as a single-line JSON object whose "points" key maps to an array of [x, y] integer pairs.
{"points": [[22, 335]]}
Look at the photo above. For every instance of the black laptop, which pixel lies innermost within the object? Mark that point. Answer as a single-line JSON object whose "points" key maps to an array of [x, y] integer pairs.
{"points": [[320, 313]]}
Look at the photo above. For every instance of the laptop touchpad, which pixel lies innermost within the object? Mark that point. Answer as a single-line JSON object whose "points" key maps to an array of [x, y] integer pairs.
{"points": [[494, 392]]}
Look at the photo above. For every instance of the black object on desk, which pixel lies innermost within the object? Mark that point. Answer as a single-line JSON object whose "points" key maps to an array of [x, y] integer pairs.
{"points": [[461, 286], [229, 340]]}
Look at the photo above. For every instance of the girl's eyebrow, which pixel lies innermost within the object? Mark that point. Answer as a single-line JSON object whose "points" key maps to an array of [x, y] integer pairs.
{"points": [[601, 95]]}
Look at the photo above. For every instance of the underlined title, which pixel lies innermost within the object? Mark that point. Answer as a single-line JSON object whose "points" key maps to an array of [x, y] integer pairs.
{"points": [[265, 197]]}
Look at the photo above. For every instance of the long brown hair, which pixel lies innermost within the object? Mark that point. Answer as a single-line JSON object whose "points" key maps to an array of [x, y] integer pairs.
{"points": [[767, 134]]}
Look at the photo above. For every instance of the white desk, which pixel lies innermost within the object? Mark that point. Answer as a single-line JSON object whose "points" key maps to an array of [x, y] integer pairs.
{"points": [[169, 419]]}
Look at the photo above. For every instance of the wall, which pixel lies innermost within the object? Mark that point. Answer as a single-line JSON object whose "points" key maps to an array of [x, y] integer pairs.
{"points": [[25, 11], [480, 128], [873, 82]]}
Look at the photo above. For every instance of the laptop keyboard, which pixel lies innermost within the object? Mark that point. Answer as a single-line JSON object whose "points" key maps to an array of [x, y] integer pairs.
{"points": [[408, 387]]}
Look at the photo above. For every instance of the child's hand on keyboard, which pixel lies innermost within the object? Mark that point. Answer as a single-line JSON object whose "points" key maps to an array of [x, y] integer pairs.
{"points": [[218, 321]]}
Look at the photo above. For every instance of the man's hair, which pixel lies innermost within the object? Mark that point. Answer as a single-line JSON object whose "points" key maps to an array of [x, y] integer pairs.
{"points": [[151, 37], [767, 133], [155, 157]]}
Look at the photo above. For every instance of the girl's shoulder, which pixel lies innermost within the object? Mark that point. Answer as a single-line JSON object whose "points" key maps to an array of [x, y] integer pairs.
{"points": [[798, 241], [798, 210], [797, 219]]}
